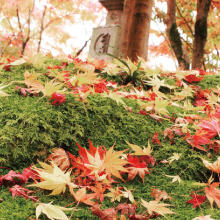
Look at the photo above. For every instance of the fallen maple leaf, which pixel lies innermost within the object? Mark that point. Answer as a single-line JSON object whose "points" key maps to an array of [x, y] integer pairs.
{"points": [[99, 190], [213, 194], [60, 158], [207, 217], [174, 178], [12, 178], [128, 194], [113, 164], [115, 194], [52, 211], [82, 196], [57, 180], [159, 195], [107, 214], [136, 167], [196, 200], [176, 156], [155, 139], [127, 209], [211, 126], [18, 190], [1, 90], [214, 167], [156, 207], [193, 78], [57, 98], [138, 151]]}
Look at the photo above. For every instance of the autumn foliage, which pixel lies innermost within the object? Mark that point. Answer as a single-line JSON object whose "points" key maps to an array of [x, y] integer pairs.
{"points": [[95, 175]]}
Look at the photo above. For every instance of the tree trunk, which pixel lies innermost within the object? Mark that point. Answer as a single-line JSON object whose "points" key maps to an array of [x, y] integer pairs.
{"points": [[174, 36], [128, 12], [140, 29], [200, 33]]}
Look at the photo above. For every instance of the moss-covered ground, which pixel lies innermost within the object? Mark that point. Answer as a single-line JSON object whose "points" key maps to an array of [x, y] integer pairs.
{"points": [[30, 127]]}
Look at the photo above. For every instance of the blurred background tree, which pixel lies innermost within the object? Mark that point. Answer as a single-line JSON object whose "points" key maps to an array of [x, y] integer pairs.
{"points": [[190, 34], [25, 24]]}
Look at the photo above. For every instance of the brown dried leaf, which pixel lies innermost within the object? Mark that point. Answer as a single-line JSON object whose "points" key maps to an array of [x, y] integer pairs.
{"points": [[159, 195], [60, 158], [107, 214]]}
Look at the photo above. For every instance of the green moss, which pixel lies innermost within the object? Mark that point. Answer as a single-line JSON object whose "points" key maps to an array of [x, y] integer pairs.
{"points": [[30, 127], [210, 81]]}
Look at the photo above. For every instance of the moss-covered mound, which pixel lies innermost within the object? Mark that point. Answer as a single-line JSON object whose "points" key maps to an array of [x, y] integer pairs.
{"points": [[30, 127]]}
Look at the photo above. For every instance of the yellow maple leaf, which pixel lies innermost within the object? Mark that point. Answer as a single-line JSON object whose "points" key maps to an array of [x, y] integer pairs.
{"points": [[113, 164], [89, 77], [157, 207], [138, 151], [52, 86], [174, 178], [176, 156], [55, 180], [52, 211], [115, 194]]}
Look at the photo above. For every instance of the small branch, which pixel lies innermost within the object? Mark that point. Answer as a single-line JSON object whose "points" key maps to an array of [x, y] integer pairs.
{"points": [[42, 28], [187, 24], [19, 23], [185, 41], [81, 50]]}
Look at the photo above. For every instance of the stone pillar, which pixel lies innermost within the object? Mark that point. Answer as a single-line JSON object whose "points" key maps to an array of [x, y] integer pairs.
{"points": [[115, 11], [107, 39]]}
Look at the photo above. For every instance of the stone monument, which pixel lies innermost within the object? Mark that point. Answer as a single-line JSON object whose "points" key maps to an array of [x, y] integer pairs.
{"points": [[105, 40]]}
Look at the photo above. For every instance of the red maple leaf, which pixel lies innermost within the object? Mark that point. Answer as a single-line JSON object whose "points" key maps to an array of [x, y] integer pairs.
{"points": [[100, 87], [17, 178], [211, 126], [57, 98], [136, 167], [12, 178], [155, 139], [29, 173], [213, 193], [7, 67], [217, 111], [18, 190], [200, 138], [193, 78], [196, 200]]}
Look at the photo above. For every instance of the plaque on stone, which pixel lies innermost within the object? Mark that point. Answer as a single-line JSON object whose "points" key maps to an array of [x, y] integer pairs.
{"points": [[105, 40]]}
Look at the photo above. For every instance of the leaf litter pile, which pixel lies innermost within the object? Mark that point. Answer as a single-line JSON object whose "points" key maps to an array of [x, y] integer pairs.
{"points": [[102, 179]]}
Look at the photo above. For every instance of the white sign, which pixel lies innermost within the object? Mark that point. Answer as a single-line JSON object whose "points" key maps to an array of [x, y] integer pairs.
{"points": [[105, 40]]}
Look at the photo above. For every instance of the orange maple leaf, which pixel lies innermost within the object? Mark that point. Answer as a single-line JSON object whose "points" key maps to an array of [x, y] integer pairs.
{"points": [[82, 196], [99, 190]]}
